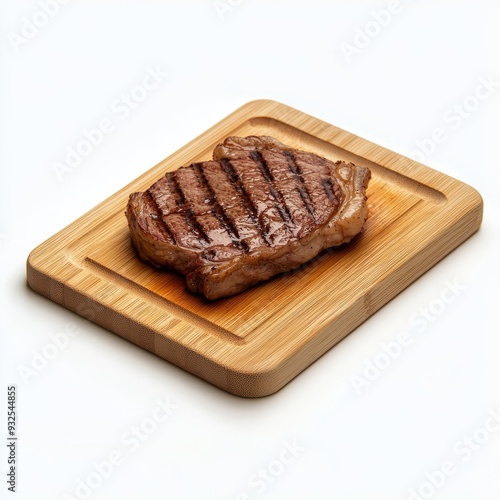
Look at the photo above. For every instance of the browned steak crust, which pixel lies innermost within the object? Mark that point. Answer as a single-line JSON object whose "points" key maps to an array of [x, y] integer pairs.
{"points": [[257, 209]]}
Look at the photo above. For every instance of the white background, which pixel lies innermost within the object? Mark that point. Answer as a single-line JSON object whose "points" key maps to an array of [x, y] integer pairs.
{"points": [[377, 444]]}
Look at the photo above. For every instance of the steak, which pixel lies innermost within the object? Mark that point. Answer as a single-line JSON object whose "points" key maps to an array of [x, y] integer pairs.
{"points": [[257, 209]]}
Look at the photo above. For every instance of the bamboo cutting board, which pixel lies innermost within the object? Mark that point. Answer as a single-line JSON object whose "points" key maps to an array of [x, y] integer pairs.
{"points": [[254, 343]]}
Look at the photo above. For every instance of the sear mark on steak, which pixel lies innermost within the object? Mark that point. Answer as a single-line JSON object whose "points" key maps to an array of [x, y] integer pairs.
{"points": [[257, 209]]}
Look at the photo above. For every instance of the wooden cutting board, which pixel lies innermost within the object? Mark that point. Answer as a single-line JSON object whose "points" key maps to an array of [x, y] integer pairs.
{"points": [[254, 343]]}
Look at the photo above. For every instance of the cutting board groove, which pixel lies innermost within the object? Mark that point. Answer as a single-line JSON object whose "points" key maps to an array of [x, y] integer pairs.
{"points": [[254, 343]]}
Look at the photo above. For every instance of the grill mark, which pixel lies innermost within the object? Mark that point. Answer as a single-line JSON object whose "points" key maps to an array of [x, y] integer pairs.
{"points": [[264, 167], [218, 210], [158, 216], [280, 204], [292, 165], [302, 189], [304, 196], [329, 190], [186, 210], [245, 199]]}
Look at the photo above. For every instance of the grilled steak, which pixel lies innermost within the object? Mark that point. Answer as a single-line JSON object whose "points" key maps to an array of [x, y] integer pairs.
{"points": [[257, 209]]}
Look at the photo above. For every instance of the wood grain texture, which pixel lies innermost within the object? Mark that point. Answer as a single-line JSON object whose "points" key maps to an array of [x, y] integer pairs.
{"points": [[252, 344]]}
